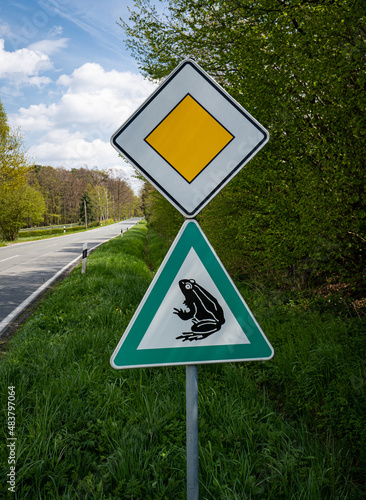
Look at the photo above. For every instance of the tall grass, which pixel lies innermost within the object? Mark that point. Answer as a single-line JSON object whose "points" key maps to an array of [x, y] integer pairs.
{"points": [[292, 427]]}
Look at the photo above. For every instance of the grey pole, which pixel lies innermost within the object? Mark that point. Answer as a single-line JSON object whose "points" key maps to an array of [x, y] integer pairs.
{"points": [[192, 431], [86, 215]]}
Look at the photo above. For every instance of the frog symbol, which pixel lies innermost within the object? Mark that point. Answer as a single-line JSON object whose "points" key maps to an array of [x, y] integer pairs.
{"points": [[204, 310]]}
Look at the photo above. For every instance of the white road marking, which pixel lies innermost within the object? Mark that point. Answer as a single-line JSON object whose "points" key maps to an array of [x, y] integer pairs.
{"points": [[13, 257]]}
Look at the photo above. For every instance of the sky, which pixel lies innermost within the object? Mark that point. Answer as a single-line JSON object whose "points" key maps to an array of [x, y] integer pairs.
{"points": [[67, 80]]}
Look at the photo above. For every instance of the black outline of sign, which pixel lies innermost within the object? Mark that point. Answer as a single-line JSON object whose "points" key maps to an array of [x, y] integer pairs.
{"points": [[170, 112], [199, 207]]}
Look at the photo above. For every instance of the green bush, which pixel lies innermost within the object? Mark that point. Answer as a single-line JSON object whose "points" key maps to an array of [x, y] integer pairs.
{"points": [[40, 232]]}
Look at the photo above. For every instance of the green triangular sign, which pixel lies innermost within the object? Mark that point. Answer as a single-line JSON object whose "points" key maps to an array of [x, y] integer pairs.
{"points": [[192, 313]]}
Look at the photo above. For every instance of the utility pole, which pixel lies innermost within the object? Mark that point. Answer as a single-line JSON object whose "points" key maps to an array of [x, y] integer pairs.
{"points": [[86, 215]]}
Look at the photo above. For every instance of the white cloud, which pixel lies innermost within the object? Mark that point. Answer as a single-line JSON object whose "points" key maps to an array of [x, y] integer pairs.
{"points": [[32, 119], [94, 101], [39, 81], [61, 148], [49, 47], [22, 63], [75, 130], [23, 67]]}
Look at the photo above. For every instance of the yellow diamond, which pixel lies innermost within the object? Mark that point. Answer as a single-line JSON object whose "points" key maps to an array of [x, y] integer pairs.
{"points": [[189, 138]]}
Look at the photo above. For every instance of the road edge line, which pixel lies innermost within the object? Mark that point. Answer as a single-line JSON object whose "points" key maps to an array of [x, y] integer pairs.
{"points": [[8, 320]]}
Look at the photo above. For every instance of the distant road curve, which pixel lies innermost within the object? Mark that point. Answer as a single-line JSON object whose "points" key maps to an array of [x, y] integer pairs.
{"points": [[27, 269]]}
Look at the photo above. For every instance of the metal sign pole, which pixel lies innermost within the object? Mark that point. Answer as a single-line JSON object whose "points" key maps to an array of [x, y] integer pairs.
{"points": [[192, 431]]}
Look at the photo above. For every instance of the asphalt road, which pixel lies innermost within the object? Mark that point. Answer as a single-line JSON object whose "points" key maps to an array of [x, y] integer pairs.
{"points": [[27, 268]]}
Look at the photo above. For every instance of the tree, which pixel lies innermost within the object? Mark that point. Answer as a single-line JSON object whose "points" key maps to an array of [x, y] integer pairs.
{"points": [[297, 211], [14, 165], [160, 213], [86, 209], [18, 207], [63, 191], [100, 198], [19, 203], [122, 196], [47, 180]]}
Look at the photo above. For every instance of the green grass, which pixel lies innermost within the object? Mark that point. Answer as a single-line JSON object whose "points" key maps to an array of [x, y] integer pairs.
{"points": [[289, 428], [45, 233]]}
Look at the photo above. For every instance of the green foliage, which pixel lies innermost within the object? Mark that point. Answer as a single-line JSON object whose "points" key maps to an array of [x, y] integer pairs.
{"points": [[156, 249], [41, 232], [18, 207], [19, 202], [291, 427], [100, 201], [161, 216], [318, 374], [296, 214], [14, 165], [164, 217], [86, 209], [35, 233]]}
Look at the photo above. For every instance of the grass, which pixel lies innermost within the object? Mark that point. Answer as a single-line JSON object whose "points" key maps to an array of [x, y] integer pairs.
{"points": [[70, 229], [289, 428]]}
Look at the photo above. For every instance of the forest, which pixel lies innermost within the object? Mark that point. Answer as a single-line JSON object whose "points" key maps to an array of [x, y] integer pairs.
{"points": [[35, 195], [295, 216], [64, 191]]}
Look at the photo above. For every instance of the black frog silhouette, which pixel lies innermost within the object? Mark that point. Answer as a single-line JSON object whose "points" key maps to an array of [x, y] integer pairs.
{"points": [[202, 308]]}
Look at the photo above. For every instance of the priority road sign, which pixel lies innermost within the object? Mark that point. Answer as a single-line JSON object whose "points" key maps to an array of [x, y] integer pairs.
{"points": [[192, 313], [189, 138]]}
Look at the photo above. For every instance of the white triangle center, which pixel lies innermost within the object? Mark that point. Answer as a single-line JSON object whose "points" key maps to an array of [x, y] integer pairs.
{"points": [[166, 326]]}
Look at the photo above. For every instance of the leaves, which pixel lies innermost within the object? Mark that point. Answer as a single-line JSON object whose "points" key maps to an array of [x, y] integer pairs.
{"points": [[19, 207], [19, 202], [299, 67], [14, 165]]}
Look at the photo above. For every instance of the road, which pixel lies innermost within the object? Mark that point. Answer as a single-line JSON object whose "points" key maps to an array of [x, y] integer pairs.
{"points": [[27, 268]]}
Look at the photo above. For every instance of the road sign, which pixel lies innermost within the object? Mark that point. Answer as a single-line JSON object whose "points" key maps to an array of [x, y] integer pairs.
{"points": [[189, 138], [192, 313]]}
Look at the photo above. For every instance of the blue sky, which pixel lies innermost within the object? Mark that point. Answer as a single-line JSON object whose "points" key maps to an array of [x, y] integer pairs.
{"points": [[66, 79]]}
